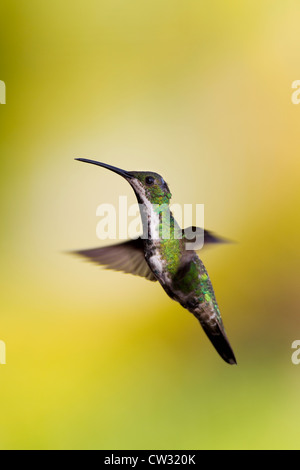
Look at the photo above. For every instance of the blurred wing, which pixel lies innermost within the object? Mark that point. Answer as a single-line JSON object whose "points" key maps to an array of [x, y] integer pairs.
{"points": [[201, 237], [127, 257]]}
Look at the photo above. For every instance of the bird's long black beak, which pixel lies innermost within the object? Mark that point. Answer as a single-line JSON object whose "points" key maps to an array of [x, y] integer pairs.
{"points": [[120, 172]]}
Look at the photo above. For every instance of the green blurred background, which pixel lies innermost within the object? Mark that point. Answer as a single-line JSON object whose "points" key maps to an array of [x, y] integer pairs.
{"points": [[199, 92]]}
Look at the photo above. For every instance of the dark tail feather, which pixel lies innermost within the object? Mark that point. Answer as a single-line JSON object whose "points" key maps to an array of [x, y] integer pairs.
{"points": [[220, 341]]}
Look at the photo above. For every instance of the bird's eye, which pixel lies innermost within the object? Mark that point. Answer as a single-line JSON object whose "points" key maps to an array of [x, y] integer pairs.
{"points": [[149, 180]]}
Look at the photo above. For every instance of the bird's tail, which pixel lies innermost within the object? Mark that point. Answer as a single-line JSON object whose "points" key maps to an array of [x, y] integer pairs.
{"points": [[218, 338]]}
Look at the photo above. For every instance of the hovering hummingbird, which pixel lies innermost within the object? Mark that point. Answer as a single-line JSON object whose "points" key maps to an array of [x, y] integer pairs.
{"points": [[167, 260]]}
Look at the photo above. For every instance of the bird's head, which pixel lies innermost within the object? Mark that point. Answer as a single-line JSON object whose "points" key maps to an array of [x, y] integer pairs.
{"points": [[148, 186]]}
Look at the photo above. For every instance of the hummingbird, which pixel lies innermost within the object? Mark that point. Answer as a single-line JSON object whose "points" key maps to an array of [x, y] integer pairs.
{"points": [[166, 259]]}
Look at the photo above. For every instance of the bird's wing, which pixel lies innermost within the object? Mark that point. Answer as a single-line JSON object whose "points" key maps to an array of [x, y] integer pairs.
{"points": [[127, 257], [198, 237]]}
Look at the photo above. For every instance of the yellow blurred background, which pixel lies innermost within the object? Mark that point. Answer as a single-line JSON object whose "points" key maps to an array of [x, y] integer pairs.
{"points": [[199, 92]]}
